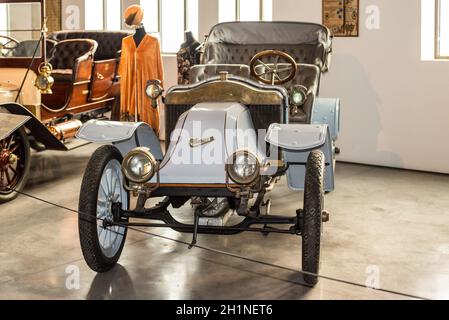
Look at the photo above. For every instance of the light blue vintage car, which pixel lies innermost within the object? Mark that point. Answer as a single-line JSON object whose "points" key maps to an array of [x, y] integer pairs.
{"points": [[251, 115]]}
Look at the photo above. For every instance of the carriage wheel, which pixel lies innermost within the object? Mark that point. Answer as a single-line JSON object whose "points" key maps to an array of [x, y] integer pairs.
{"points": [[14, 164], [312, 217]]}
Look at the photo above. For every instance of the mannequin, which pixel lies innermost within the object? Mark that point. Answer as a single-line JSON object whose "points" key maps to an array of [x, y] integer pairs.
{"points": [[188, 56], [190, 42], [141, 61], [139, 35]]}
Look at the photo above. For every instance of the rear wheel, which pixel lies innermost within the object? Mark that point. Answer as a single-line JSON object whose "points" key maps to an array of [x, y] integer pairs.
{"points": [[312, 216], [15, 164], [102, 186]]}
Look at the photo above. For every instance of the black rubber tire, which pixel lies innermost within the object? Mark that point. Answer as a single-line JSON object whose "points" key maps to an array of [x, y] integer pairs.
{"points": [[87, 219], [312, 216], [9, 195]]}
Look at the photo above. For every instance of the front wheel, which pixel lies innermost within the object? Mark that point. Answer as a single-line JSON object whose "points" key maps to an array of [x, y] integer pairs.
{"points": [[312, 216], [15, 164], [102, 186]]}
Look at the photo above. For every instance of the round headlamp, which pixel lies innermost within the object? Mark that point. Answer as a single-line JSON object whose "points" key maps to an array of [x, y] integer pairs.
{"points": [[154, 89], [244, 168], [139, 166], [299, 95]]}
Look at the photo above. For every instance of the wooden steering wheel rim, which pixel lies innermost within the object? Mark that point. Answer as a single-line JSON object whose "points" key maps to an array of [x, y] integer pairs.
{"points": [[278, 53], [10, 40]]}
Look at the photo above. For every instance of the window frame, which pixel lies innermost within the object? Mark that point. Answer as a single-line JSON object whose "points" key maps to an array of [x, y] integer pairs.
{"points": [[238, 13], [159, 22], [6, 22], [237, 10], [105, 15], [438, 13]]}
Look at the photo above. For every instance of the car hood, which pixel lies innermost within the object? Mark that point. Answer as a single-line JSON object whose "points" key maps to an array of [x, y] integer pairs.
{"points": [[204, 140]]}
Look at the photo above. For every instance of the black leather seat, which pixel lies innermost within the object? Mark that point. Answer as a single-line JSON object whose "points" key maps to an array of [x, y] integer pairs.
{"points": [[310, 59], [109, 42], [225, 53], [67, 56]]}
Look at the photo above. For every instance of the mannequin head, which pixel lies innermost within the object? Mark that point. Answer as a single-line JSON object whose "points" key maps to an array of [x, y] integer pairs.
{"points": [[189, 37], [134, 15]]}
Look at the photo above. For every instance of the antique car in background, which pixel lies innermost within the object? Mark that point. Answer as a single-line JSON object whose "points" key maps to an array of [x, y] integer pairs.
{"points": [[250, 117], [49, 86]]}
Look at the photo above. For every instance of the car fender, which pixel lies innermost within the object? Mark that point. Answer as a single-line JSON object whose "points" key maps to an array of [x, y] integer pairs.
{"points": [[327, 111], [36, 128], [296, 141], [10, 123], [125, 136]]}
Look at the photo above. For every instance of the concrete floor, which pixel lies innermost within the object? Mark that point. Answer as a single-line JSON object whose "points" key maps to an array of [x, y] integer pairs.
{"points": [[390, 221]]}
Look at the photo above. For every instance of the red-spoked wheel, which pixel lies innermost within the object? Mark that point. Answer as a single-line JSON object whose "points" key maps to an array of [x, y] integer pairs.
{"points": [[14, 164]]}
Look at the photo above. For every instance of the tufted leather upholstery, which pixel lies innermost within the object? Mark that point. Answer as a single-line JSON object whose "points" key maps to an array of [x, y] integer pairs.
{"points": [[67, 55], [308, 75], [223, 53], [109, 42], [66, 52]]}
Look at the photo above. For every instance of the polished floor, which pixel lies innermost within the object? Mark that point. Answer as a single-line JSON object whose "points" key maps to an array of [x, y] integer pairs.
{"points": [[388, 228]]}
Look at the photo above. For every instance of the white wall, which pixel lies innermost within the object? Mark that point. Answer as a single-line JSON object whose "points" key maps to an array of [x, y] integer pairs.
{"points": [[395, 106]]}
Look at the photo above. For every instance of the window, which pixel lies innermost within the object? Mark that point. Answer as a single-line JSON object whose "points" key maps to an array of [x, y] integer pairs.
{"points": [[245, 10], [113, 15], [434, 30], [442, 30], [171, 18], [3, 19], [150, 15], [94, 15], [103, 15]]}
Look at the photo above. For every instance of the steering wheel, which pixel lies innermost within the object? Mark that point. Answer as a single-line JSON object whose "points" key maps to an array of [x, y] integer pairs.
{"points": [[7, 45], [271, 72]]}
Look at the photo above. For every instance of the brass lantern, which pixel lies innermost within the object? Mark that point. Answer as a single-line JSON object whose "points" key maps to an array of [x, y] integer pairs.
{"points": [[44, 80]]}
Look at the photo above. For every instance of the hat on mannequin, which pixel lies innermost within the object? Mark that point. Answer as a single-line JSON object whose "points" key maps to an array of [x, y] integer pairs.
{"points": [[133, 15]]}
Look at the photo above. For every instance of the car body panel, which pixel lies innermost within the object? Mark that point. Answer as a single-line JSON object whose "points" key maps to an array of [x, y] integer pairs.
{"points": [[124, 135], [296, 142], [297, 137], [218, 130], [326, 110], [37, 128], [10, 123], [30, 95]]}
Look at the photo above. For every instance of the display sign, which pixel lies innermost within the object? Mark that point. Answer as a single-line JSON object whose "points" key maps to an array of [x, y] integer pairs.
{"points": [[342, 17]]}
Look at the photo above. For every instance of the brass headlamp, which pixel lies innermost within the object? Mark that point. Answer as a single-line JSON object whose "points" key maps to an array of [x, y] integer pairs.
{"points": [[44, 81]]}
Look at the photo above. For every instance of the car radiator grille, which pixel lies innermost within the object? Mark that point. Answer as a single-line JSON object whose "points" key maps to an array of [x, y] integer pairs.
{"points": [[263, 116]]}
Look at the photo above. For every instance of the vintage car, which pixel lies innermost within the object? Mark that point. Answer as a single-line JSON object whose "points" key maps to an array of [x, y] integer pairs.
{"points": [[250, 117], [49, 86]]}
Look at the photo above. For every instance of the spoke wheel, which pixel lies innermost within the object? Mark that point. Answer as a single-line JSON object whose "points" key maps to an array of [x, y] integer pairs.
{"points": [[14, 164], [102, 187]]}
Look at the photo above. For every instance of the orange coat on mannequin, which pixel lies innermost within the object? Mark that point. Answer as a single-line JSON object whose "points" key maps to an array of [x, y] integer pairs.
{"points": [[137, 66]]}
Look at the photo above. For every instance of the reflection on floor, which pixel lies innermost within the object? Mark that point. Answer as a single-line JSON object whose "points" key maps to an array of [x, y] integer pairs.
{"points": [[386, 222]]}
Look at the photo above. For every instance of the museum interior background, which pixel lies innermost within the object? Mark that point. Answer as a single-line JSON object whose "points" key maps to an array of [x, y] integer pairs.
{"points": [[389, 89]]}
